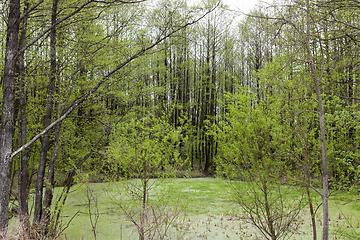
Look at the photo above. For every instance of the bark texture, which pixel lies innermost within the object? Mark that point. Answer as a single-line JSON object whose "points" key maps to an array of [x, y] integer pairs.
{"points": [[47, 120], [7, 116], [325, 173], [24, 160]]}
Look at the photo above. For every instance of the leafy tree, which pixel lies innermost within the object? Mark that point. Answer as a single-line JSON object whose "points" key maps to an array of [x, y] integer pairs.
{"points": [[254, 146], [144, 149]]}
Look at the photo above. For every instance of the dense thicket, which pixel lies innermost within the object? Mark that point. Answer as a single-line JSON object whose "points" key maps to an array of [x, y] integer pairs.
{"points": [[235, 90]]}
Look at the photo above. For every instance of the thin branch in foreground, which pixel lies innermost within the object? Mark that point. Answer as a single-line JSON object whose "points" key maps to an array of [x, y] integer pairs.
{"points": [[79, 100]]}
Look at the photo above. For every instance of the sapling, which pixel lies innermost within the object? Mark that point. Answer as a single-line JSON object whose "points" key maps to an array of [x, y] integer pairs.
{"points": [[145, 152]]}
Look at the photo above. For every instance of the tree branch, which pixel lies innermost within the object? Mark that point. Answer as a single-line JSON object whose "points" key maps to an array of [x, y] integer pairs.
{"points": [[52, 26], [31, 9], [79, 100]]}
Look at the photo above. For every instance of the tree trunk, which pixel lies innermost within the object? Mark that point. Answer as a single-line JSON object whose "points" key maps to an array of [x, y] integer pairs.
{"points": [[7, 116], [307, 175], [268, 215], [325, 174], [47, 120], [206, 105], [24, 160], [48, 197]]}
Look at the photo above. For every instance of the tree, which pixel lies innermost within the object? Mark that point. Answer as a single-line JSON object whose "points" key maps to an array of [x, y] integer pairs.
{"points": [[47, 118], [7, 116], [316, 76], [144, 148], [254, 147], [24, 162], [317, 80], [144, 44]]}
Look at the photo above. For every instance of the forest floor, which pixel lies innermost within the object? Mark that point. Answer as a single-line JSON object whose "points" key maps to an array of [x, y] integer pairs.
{"points": [[202, 208]]}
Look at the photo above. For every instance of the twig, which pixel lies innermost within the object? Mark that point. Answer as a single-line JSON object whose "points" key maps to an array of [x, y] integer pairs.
{"points": [[67, 225]]}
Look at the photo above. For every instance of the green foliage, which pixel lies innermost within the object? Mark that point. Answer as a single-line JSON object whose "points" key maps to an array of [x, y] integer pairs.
{"points": [[145, 148], [343, 142], [255, 146], [265, 133], [253, 137]]}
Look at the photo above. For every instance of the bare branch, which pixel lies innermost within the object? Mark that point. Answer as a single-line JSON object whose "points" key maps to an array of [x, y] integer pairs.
{"points": [[92, 118], [343, 97], [78, 101], [342, 22], [31, 9], [52, 26]]}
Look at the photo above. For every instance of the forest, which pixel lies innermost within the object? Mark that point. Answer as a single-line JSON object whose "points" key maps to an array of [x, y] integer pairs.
{"points": [[133, 91]]}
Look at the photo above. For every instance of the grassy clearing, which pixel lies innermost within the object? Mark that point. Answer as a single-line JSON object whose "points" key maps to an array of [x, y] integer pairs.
{"points": [[209, 212]]}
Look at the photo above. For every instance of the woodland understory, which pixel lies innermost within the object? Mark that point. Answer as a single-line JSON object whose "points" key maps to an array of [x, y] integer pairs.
{"points": [[157, 89]]}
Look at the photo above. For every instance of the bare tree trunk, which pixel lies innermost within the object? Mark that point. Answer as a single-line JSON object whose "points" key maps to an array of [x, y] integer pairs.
{"points": [[312, 213], [307, 175], [47, 120], [48, 197], [7, 116], [24, 160], [143, 208], [325, 174], [206, 104]]}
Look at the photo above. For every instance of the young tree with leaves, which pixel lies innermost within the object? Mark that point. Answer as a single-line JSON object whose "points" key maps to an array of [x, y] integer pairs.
{"points": [[144, 149]]}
